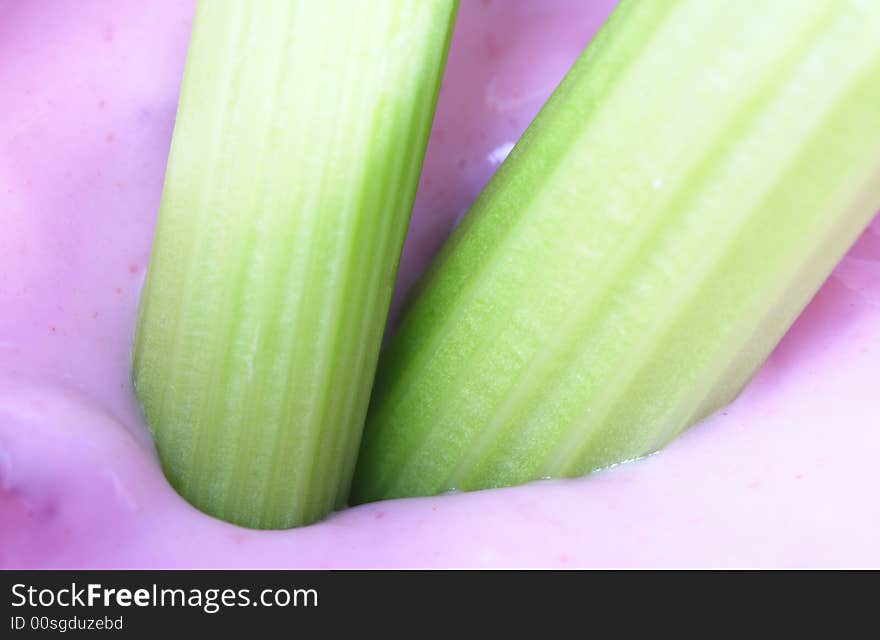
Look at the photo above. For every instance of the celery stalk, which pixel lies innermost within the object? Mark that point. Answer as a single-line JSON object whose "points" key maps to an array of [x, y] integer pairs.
{"points": [[664, 219], [296, 153]]}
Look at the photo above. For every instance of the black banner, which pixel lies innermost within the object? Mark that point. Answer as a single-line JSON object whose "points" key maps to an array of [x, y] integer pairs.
{"points": [[375, 603]]}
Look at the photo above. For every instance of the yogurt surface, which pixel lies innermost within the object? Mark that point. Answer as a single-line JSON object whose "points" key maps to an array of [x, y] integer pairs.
{"points": [[785, 476]]}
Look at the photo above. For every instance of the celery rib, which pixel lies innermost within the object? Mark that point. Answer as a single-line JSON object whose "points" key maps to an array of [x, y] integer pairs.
{"points": [[628, 363], [654, 268], [300, 135], [623, 268]]}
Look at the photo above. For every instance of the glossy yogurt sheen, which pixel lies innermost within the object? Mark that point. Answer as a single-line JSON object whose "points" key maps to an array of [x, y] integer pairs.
{"points": [[88, 89]]}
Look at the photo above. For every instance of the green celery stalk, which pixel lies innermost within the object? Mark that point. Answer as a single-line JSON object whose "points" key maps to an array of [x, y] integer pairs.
{"points": [[299, 140], [665, 218]]}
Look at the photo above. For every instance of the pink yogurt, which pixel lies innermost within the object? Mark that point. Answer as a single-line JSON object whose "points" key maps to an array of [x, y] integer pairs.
{"points": [[88, 89]]}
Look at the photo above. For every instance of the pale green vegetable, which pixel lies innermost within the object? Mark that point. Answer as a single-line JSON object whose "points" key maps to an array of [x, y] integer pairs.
{"points": [[296, 153], [671, 210]]}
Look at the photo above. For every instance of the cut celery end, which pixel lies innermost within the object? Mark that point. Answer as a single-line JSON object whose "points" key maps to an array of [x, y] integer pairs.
{"points": [[296, 153], [674, 206]]}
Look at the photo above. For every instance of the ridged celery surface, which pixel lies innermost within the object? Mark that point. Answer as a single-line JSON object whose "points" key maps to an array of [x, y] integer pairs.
{"points": [[296, 153], [674, 206]]}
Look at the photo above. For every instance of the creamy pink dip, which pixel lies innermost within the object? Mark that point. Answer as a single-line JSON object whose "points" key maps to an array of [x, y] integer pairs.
{"points": [[786, 476]]}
